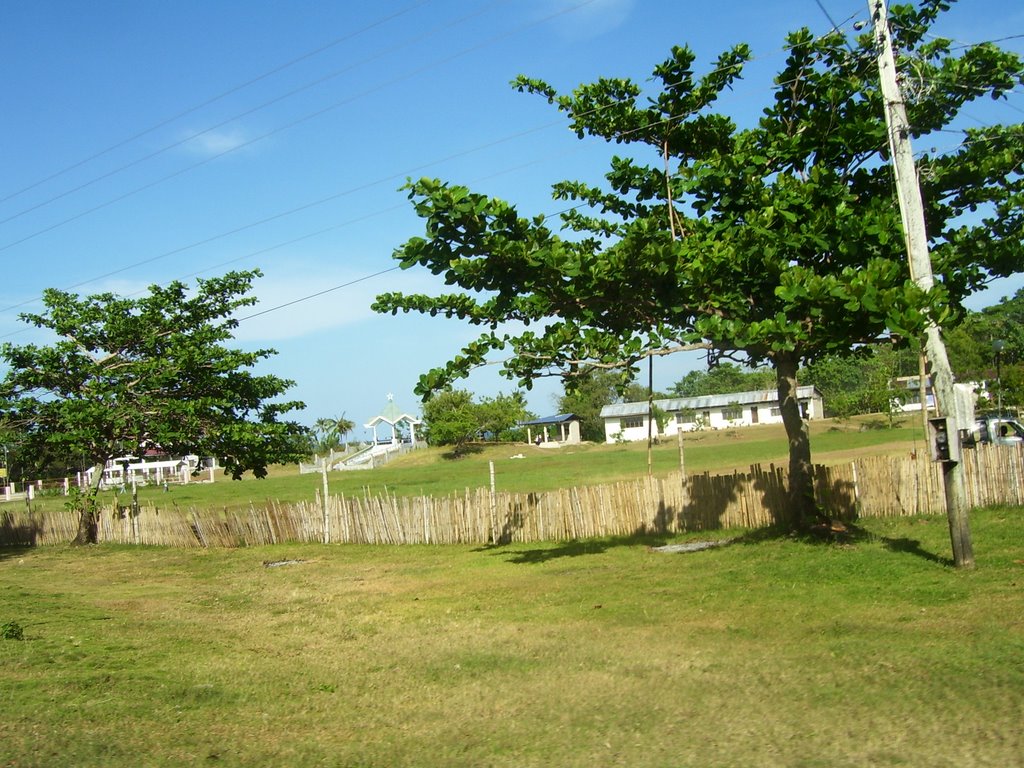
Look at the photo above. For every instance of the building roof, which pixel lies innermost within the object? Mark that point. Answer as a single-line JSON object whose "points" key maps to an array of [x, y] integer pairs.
{"points": [[704, 402], [392, 415], [559, 419]]}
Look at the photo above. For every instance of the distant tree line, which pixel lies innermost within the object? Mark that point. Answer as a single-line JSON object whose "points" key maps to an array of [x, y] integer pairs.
{"points": [[849, 385]]}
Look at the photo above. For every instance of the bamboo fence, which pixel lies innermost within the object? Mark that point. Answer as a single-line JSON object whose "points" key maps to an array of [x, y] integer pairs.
{"points": [[869, 487]]}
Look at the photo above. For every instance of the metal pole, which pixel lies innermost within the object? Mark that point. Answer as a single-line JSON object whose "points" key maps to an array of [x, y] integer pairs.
{"points": [[998, 345]]}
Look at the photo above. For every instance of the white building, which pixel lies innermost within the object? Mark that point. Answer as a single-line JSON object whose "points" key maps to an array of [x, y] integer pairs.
{"points": [[154, 468], [398, 421], [628, 421]]}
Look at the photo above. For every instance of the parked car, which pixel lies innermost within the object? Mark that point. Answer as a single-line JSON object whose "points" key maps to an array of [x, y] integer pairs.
{"points": [[996, 430]]}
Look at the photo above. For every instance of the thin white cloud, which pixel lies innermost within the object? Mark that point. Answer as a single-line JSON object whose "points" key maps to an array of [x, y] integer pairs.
{"points": [[300, 304], [582, 20], [216, 142]]}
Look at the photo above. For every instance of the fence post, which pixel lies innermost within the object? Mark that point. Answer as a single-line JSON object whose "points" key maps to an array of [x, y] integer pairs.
{"points": [[327, 516], [494, 507], [856, 488], [135, 511]]}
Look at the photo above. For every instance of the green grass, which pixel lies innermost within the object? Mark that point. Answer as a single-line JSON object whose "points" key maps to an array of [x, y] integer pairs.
{"points": [[768, 652], [434, 472]]}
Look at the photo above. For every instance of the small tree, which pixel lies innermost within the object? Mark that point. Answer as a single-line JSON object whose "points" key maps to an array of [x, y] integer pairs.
{"points": [[449, 418], [500, 416], [852, 385], [125, 375], [588, 394]]}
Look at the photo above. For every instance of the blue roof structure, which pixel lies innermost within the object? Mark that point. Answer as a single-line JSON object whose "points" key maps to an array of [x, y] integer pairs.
{"points": [[561, 418]]}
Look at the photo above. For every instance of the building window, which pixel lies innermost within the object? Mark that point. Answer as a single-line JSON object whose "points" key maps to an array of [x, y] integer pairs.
{"points": [[688, 416], [632, 422], [732, 411], [776, 412]]}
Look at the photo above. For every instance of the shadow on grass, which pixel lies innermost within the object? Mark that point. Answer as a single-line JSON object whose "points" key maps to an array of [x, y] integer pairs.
{"points": [[462, 451], [9, 551], [19, 534], [913, 547], [575, 548], [851, 535]]}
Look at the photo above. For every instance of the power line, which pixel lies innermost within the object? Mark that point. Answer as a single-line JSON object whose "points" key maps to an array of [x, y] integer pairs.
{"points": [[305, 118], [214, 99], [307, 236], [318, 293], [835, 27], [300, 89], [305, 206], [334, 196]]}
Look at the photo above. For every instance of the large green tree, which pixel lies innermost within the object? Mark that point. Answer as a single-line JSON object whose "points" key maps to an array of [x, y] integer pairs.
{"points": [[775, 243], [127, 374]]}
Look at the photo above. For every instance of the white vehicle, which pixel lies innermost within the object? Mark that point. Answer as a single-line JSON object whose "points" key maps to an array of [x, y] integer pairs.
{"points": [[997, 430]]}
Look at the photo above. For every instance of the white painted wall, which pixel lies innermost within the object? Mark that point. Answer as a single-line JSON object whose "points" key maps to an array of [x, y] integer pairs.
{"points": [[767, 413]]}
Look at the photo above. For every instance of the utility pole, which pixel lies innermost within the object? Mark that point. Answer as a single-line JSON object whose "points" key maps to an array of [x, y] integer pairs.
{"points": [[912, 215]]}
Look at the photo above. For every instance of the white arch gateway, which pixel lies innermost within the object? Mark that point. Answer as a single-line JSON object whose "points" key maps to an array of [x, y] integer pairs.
{"points": [[396, 419]]}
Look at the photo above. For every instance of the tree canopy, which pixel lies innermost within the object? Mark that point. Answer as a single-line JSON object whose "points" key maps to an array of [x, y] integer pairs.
{"points": [[452, 417], [723, 379], [865, 383], [973, 345], [330, 432], [775, 244], [129, 374]]}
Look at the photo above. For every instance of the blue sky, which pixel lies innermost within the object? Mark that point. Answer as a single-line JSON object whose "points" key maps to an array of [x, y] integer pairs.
{"points": [[147, 141]]}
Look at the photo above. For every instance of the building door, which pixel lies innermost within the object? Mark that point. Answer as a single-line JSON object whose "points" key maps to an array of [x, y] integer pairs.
{"points": [[753, 414]]}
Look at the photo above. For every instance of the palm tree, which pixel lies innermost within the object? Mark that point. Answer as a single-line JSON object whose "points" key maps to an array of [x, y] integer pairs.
{"points": [[343, 427], [332, 431], [325, 437]]}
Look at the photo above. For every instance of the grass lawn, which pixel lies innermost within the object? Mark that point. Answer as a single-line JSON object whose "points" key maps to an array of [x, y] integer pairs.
{"points": [[766, 652], [432, 472]]}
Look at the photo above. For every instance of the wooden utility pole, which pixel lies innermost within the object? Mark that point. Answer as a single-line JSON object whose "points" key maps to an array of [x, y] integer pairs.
{"points": [[912, 215]]}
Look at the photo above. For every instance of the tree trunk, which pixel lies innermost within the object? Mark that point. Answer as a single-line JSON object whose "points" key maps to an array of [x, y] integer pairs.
{"points": [[802, 509], [88, 511], [88, 525]]}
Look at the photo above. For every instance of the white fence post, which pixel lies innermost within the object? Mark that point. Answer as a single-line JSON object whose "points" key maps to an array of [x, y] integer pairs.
{"points": [[327, 514]]}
